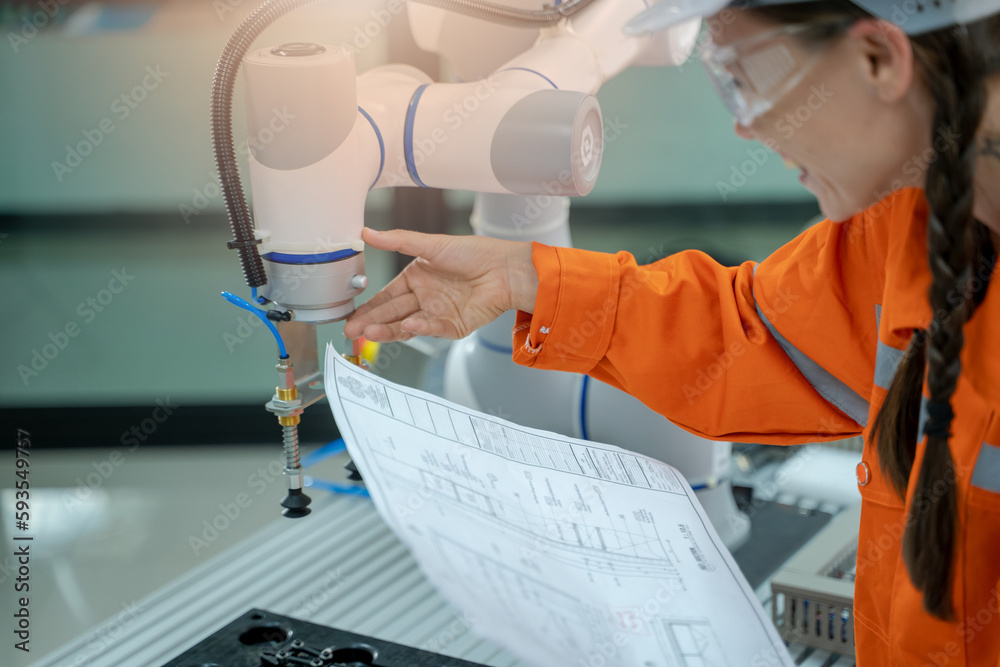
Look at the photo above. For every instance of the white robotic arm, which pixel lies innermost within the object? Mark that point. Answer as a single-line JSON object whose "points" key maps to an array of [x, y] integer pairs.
{"points": [[532, 126]]}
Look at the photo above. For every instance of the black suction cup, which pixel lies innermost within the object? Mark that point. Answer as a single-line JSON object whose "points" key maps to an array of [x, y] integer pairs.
{"points": [[296, 504]]}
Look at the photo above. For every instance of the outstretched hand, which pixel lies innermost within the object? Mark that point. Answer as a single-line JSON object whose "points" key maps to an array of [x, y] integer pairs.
{"points": [[455, 285]]}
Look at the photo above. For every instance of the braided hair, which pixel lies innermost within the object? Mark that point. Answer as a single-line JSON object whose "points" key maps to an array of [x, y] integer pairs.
{"points": [[954, 64], [956, 244]]}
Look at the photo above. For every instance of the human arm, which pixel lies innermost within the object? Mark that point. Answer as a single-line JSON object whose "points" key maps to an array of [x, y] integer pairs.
{"points": [[702, 344]]}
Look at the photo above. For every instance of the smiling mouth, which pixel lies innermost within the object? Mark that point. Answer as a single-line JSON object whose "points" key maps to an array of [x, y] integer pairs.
{"points": [[792, 164]]}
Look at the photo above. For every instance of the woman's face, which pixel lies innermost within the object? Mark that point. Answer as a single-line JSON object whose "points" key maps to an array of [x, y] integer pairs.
{"points": [[856, 126], [987, 208]]}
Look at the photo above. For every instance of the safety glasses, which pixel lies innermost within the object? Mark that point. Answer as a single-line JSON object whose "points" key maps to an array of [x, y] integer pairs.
{"points": [[752, 74]]}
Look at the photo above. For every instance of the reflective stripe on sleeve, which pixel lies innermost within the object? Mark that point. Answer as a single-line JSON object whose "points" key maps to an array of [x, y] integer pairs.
{"points": [[887, 358], [986, 474], [829, 387]]}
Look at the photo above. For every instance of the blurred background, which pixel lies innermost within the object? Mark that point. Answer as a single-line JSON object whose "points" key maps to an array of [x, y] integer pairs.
{"points": [[142, 390]]}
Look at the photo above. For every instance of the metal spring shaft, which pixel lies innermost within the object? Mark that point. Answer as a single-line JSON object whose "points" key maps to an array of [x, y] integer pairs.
{"points": [[290, 436]]}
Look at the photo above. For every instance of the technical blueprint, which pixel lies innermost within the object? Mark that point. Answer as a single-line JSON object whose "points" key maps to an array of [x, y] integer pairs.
{"points": [[564, 551]]}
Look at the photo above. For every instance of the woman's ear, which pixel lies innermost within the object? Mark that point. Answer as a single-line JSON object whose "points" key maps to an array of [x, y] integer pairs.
{"points": [[886, 57]]}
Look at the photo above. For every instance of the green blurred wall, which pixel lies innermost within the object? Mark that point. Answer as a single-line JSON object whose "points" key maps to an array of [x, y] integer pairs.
{"points": [[672, 140]]}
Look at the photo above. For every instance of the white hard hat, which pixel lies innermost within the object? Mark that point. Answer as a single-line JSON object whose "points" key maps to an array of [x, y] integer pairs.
{"points": [[913, 16]]}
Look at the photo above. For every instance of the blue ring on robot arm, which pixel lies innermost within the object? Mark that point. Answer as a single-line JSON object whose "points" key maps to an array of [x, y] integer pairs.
{"points": [[381, 146], [411, 113], [531, 71], [316, 258], [492, 347]]}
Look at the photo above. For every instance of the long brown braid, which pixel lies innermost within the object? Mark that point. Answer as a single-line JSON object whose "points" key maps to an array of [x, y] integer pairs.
{"points": [[929, 541]]}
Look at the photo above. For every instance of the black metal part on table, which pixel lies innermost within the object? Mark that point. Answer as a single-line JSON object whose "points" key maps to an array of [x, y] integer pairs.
{"points": [[353, 473], [261, 639], [776, 532]]}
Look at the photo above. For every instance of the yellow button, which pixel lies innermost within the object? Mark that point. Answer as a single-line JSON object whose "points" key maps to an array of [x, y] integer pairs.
{"points": [[863, 473]]}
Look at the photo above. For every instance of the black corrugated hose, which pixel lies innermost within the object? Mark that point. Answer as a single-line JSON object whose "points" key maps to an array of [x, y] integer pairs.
{"points": [[222, 132]]}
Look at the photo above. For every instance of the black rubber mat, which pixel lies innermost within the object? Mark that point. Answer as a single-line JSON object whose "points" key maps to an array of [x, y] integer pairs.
{"points": [[776, 533]]}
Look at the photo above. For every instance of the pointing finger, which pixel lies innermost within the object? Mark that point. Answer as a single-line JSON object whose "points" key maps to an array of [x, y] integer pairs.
{"points": [[414, 244]]}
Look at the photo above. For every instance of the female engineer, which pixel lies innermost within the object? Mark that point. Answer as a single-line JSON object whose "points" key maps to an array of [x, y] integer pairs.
{"points": [[877, 321]]}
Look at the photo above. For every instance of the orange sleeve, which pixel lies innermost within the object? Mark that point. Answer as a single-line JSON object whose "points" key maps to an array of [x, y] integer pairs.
{"points": [[722, 352]]}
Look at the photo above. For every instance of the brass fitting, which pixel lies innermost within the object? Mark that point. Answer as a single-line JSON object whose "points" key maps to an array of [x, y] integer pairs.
{"points": [[287, 394], [289, 421]]}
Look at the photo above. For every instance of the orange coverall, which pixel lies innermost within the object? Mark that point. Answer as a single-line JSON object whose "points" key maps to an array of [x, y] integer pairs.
{"points": [[801, 348]]}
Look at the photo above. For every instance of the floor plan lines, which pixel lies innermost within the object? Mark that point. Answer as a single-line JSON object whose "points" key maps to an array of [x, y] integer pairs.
{"points": [[570, 625], [631, 549], [693, 642]]}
